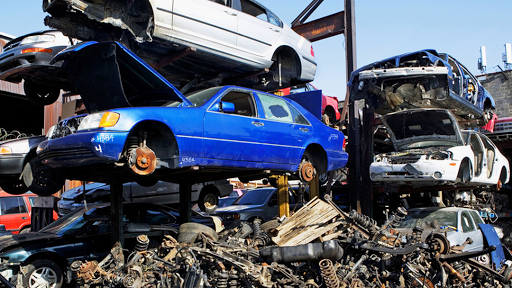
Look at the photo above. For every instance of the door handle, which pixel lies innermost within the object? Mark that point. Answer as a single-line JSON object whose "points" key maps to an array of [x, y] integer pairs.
{"points": [[273, 29], [23, 217], [304, 129], [230, 13], [256, 123]]}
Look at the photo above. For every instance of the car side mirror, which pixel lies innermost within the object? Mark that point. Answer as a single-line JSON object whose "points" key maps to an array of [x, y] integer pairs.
{"points": [[226, 107]]}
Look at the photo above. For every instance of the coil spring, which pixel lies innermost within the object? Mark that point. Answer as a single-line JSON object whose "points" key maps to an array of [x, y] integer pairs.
{"points": [[328, 272], [362, 220], [262, 239], [142, 243], [75, 267], [222, 280], [256, 227], [133, 142], [459, 267]]}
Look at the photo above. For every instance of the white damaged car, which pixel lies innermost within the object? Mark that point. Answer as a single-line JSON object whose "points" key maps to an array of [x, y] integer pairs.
{"points": [[431, 150]]}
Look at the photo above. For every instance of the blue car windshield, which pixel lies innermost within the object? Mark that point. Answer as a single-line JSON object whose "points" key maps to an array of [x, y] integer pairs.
{"points": [[198, 98], [254, 197]]}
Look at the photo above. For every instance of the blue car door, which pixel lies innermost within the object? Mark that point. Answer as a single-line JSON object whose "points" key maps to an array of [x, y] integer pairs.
{"points": [[287, 130], [236, 136]]}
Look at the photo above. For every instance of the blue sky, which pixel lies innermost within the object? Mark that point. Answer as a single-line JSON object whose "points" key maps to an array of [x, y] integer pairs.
{"points": [[383, 29]]}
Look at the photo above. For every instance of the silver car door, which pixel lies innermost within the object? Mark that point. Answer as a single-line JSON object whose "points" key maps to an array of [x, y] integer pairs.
{"points": [[206, 23]]}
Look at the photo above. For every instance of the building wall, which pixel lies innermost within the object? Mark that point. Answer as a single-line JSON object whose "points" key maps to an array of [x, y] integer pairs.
{"points": [[499, 85]]}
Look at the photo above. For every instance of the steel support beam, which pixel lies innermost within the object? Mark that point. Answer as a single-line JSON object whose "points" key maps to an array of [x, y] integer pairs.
{"points": [[283, 199], [116, 212], [322, 28], [185, 202]]}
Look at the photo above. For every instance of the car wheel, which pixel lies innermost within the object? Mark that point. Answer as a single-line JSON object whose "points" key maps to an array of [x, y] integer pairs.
{"points": [[43, 273], [25, 230], [208, 199], [16, 187], [147, 182], [41, 179], [189, 231], [39, 94]]}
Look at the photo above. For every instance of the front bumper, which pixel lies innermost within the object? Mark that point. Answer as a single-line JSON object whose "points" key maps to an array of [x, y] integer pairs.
{"points": [[436, 170], [83, 148]]}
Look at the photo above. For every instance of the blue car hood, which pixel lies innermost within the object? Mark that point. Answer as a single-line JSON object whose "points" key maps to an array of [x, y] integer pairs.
{"points": [[108, 75]]}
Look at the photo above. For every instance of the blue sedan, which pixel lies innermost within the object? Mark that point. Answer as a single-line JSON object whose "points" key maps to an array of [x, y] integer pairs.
{"points": [[142, 122]]}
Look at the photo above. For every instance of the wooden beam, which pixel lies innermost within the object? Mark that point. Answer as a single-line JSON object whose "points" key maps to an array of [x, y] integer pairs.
{"points": [[322, 28], [173, 57]]}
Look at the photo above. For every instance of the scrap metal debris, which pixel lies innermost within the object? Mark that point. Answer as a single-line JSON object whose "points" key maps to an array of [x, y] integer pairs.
{"points": [[319, 246]]}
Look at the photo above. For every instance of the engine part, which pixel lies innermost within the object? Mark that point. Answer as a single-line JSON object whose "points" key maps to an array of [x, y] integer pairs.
{"points": [[300, 253]]}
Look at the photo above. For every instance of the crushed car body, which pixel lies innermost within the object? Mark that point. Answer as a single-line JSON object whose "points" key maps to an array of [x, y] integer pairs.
{"points": [[431, 149], [152, 127], [195, 41], [424, 79]]}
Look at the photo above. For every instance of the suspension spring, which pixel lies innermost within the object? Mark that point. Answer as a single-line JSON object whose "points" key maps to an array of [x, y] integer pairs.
{"points": [[329, 273], [142, 243], [362, 220], [256, 227], [133, 142], [222, 280], [263, 239], [234, 279]]}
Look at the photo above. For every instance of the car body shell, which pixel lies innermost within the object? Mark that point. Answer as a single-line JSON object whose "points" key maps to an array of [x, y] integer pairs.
{"points": [[456, 223], [14, 156], [204, 136], [16, 211], [24, 59], [258, 203], [227, 37], [163, 193], [430, 149], [424, 79], [73, 237]]}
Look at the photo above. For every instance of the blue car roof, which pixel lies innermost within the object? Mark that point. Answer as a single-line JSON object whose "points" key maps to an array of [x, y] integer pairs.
{"points": [[108, 75]]}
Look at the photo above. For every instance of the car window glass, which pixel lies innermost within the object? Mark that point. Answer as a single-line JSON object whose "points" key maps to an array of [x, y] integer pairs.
{"points": [[476, 217], [254, 10], [156, 217], [198, 98], [466, 223], [298, 117], [272, 18], [13, 205], [424, 219], [254, 197], [244, 103], [223, 2], [276, 108]]}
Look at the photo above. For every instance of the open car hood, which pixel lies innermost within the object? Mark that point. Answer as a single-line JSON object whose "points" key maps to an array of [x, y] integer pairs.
{"points": [[420, 125], [108, 75]]}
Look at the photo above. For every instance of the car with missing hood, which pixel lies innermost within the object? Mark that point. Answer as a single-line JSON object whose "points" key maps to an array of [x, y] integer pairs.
{"points": [[141, 125], [195, 42], [424, 79], [28, 58], [431, 149], [20, 168]]}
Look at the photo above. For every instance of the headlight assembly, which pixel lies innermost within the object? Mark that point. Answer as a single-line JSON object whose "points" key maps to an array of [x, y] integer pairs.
{"points": [[99, 120]]}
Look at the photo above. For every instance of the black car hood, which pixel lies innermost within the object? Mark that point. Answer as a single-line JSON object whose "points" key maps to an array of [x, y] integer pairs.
{"points": [[107, 75], [14, 240]]}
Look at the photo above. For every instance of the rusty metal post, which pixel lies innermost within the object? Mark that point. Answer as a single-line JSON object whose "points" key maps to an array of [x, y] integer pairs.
{"points": [[283, 199], [116, 212], [314, 187]]}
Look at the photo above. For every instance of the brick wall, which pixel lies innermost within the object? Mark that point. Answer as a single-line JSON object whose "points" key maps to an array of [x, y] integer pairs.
{"points": [[499, 85]]}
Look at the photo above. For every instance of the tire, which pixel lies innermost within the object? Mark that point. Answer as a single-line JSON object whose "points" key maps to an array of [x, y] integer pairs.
{"points": [[25, 230], [43, 273], [208, 199], [14, 187], [39, 94], [41, 179], [189, 231]]}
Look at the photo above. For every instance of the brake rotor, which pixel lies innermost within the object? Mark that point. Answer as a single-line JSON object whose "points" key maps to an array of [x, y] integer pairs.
{"points": [[439, 243], [88, 269], [306, 171], [142, 161]]}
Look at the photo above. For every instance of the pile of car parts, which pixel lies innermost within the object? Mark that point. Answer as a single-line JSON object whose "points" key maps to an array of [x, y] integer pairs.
{"points": [[319, 246]]}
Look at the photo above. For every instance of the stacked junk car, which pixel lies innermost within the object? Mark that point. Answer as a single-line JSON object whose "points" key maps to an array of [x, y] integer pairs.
{"points": [[319, 246]]}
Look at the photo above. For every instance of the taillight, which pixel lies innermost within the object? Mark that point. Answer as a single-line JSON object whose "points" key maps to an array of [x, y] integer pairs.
{"points": [[344, 145], [312, 51]]}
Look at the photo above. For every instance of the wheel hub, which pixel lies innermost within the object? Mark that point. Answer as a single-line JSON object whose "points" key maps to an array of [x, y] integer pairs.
{"points": [[306, 171], [142, 161]]}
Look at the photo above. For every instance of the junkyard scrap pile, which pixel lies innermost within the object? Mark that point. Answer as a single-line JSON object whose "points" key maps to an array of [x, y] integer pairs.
{"points": [[319, 246]]}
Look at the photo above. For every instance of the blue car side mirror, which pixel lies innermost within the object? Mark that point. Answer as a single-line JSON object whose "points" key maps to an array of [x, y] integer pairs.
{"points": [[226, 107]]}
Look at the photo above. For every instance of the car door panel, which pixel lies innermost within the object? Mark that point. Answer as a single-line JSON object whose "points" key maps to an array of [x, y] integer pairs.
{"points": [[238, 136], [206, 23], [256, 34]]}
